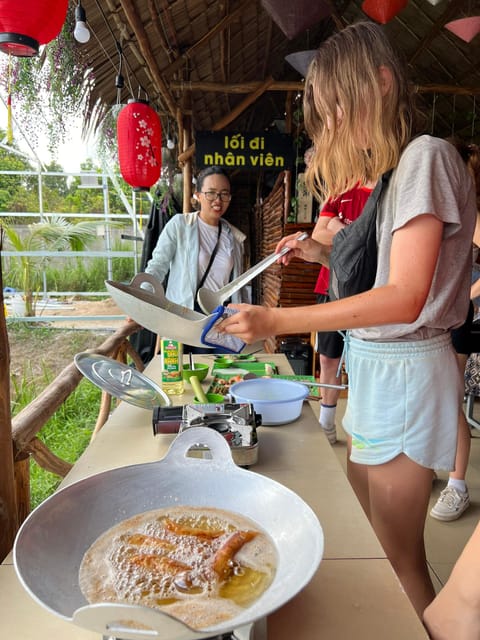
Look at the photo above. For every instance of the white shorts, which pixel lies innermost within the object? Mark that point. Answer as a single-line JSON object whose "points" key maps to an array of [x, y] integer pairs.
{"points": [[403, 397]]}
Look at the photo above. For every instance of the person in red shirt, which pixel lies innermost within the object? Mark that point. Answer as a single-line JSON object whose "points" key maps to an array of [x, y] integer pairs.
{"points": [[334, 215]]}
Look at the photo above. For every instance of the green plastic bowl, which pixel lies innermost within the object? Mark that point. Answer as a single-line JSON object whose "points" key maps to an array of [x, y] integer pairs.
{"points": [[199, 369], [223, 361], [213, 398]]}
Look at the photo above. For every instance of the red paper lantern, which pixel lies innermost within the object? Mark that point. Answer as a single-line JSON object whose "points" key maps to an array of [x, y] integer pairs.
{"points": [[26, 24], [139, 139], [383, 10]]}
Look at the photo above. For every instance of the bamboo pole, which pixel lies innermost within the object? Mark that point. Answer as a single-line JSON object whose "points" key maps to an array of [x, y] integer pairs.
{"points": [[218, 28], [230, 117], [141, 36], [187, 162], [248, 87], [30, 420]]}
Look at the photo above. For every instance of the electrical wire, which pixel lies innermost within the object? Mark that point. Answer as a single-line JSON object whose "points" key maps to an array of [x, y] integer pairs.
{"points": [[129, 68]]}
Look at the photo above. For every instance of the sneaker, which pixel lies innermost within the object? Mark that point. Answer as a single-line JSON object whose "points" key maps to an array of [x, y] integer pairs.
{"points": [[450, 505], [330, 432]]}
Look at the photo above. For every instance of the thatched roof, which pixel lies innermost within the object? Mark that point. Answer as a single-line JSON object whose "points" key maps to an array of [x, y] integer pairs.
{"points": [[222, 63]]}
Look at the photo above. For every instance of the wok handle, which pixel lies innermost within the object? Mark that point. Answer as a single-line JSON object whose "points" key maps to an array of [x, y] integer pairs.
{"points": [[155, 285], [122, 620], [221, 454]]}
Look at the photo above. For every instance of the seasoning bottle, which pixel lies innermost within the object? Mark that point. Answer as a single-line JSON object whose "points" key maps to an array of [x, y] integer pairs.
{"points": [[171, 354]]}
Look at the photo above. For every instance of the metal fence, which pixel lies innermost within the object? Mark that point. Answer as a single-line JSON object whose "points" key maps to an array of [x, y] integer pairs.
{"points": [[108, 221]]}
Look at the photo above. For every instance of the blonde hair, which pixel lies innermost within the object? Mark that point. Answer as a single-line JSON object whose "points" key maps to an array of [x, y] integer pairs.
{"points": [[357, 130]]}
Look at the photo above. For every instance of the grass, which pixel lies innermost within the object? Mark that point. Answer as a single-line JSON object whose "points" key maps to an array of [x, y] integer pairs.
{"points": [[43, 352], [66, 434], [68, 431]]}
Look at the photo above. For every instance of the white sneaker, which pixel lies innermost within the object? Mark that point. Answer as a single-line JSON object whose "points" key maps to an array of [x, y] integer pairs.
{"points": [[450, 505], [330, 432]]}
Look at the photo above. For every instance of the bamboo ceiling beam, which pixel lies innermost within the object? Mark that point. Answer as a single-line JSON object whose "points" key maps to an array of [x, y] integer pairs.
{"points": [[453, 8], [248, 87], [142, 38], [230, 117], [154, 17], [220, 26], [239, 87]]}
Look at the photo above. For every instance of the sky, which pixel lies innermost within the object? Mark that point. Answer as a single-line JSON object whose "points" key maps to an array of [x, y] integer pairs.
{"points": [[71, 153]]}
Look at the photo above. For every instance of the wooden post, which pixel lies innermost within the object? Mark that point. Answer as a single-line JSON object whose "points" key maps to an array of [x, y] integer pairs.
{"points": [[22, 485], [187, 138], [8, 502]]}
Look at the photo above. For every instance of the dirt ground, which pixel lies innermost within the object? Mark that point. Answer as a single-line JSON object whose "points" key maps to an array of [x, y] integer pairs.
{"points": [[82, 313], [33, 352]]}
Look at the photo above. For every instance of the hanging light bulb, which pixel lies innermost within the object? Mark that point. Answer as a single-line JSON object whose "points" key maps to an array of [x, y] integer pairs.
{"points": [[170, 144], [81, 32]]}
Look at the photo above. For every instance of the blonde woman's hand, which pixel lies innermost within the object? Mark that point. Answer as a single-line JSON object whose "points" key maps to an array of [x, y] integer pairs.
{"points": [[251, 324], [309, 250]]}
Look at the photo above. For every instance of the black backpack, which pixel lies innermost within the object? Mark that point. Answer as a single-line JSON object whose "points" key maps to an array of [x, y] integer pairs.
{"points": [[353, 259]]}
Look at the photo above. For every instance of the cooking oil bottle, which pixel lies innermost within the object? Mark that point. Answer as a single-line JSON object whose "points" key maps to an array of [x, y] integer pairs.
{"points": [[172, 365]]}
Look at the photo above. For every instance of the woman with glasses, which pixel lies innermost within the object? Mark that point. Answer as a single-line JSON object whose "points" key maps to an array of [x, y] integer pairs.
{"points": [[200, 249]]}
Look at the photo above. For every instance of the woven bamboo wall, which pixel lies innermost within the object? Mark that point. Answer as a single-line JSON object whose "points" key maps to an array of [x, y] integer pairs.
{"points": [[285, 286]]}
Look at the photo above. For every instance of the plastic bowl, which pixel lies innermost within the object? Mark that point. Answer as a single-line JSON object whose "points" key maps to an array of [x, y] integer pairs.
{"points": [[199, 369], [223, 361], [277, 401]]}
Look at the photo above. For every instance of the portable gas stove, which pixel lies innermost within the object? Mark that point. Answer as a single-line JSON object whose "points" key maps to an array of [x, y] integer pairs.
{"points": [[236, 422]]}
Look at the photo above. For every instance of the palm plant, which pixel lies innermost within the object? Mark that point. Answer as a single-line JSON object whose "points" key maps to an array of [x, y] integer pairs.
{"points": [[53, 235]]}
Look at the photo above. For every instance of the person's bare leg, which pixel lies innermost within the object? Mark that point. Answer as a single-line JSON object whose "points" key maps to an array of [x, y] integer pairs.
{"points": [[454, 499], [463, 449], [463, 441], [399, 492], [357, 475], [328, 375], [455, 612]]}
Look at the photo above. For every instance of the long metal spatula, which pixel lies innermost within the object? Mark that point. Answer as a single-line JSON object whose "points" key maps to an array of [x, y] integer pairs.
{"points": [[210, 300]]}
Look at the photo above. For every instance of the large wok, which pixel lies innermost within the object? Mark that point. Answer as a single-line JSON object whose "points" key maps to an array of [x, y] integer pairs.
{"points": [[51, 543]]}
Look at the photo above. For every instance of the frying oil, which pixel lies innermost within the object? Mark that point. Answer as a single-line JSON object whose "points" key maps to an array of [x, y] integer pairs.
{"points": [[172, 366]]}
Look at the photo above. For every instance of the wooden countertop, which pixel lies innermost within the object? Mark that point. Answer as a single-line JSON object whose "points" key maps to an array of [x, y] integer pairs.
{"points": [[354, 593]]}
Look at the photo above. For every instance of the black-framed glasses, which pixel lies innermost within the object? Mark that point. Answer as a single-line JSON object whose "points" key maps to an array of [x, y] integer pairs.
{"points": [[211, 196]]}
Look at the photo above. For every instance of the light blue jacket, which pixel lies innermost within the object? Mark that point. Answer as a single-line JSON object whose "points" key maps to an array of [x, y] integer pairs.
{"points": [[176, 253]]}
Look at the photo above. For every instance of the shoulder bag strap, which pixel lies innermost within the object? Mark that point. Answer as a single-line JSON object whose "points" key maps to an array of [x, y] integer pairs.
{"points": [[372, 201], [212, 257]]}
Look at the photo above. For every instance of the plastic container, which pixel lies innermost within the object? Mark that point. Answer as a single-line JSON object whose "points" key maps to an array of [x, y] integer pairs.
{"points": [[212, 398], [172, 366], [277, 401]]}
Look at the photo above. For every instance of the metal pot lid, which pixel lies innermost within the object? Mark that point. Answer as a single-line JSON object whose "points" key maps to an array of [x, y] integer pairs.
{"points": [[121, 381]]}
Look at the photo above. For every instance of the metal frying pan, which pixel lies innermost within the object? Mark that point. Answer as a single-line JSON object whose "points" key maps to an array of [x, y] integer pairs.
{"points": [[152, 310], [50, 545]]}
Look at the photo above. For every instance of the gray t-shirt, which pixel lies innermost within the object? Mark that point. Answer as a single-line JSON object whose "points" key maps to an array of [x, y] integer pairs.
{"points": [[432, 178]]}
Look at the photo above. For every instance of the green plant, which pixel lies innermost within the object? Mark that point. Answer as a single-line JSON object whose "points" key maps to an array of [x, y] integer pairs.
{"points": [[54, 234], [59, 78], [69, 430], [66, 434]]}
